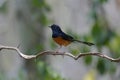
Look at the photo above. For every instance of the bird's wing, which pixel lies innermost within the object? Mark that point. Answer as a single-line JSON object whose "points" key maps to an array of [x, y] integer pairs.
{"points": [[70, 38], [67, 37]]}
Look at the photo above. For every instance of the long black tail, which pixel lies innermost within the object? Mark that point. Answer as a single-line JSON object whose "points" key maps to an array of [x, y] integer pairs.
{"points": [[87, 43]]}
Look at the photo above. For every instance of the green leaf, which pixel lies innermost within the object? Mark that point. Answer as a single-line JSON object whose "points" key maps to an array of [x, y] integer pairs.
{"points": [[101, 66], [114, 46], [112, 69], [43, 19], [75, 51], [3, 7], [88, 60], [38, 3], [101, 34], [103, 1]]}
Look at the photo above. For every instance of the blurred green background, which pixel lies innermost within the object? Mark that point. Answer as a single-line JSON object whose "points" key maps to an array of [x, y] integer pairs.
{"points": [[26, 22]]}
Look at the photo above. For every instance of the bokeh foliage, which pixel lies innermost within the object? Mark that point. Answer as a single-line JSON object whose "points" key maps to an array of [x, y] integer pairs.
{"points": [[104, 37], [101, 34], [39, 8]]}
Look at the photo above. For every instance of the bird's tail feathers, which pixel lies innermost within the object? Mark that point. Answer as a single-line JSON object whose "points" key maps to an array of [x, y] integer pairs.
{"points": [[87, 43]]}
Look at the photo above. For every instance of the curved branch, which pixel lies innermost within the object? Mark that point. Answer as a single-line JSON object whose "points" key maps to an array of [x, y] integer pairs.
{"points": [[58, 53]]}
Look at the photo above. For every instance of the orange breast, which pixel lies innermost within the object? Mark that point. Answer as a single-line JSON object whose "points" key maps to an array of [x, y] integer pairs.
{"points": [[61, 41]]}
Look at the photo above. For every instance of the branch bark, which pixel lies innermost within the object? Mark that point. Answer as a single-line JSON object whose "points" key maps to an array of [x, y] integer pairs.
{"points": [[59, 53]]}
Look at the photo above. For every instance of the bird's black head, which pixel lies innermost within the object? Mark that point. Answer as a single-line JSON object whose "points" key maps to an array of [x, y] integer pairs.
{"points": [[55, 28]]}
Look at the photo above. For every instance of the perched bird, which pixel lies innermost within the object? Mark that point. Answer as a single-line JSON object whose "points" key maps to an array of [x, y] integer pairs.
{"points": [[62, 38]]}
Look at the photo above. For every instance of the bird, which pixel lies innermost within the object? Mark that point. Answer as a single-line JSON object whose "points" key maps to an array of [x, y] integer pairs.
{"points": [[63, 39]]}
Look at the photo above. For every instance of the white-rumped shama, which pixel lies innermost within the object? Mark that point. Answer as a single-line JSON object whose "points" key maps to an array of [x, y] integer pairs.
{"points": [[62, 38]]}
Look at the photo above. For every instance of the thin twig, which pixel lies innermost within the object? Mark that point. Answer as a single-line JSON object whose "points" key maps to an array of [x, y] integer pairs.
{"points": [[59, 53]]}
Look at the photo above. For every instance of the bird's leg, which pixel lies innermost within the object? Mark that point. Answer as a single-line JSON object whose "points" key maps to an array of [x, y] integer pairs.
{"points": [[57, 51]]}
